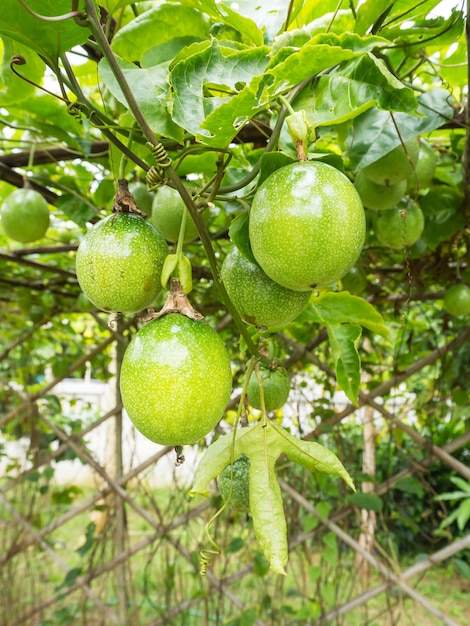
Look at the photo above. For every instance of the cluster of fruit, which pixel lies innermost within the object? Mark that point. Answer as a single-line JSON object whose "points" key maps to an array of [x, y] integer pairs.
{"points": [[389, 188], [310, 239]]}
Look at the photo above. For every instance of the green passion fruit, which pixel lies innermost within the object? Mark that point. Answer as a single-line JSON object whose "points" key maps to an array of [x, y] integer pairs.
{"points": [[176, 379], [258, 299], [394, 166], [379, 197], [306, 225], [400, 226], [167, 212], [25, 215], [457, 300], [355, 281], [276, 387], [234, 484], [422, 177], [119, 263]]}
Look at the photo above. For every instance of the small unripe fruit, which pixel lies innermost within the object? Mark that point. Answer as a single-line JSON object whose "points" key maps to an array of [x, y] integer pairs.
{"points": [[394, 166], [457, 300], [379, 197], [400, 226], [276, 387], [234, 484], [25, 215], [167, 212]]}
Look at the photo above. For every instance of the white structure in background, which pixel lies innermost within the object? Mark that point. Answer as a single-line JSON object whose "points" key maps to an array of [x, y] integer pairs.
{"points": [[90, 398]]}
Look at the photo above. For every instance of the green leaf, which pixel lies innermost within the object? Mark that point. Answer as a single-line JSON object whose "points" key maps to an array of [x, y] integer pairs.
{"points": [[344, 340], [462, 567], [412, 485], [291, 66], [13, 89], [367, 83], [369, 12], [156, 26], [237, 19], [374, 133], [210, 78], [266, 506], [462, 484], [341, 307], [239, 235], [76, 209], [48, 39], [263, 444], [149, 87], [270, 162], [313, 456], [368, 501], [464, 514]]}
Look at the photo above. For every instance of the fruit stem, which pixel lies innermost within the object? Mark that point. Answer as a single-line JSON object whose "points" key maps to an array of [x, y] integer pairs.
{"points": [[176, 302], [264, 416], [124, 201]]}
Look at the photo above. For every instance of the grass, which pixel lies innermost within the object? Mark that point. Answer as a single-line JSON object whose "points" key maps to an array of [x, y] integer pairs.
{"points": [[163, 576]]}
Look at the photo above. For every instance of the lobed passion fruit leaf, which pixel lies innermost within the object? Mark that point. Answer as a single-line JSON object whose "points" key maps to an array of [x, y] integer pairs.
{"points": [[263, 444]]}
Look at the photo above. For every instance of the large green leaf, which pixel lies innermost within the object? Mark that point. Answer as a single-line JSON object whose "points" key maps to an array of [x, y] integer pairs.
{"points": [[249, 30], [210, 78], [351, 89], [374, 133], [344, 340], [263, 444], [13, 89], [310, 455], [156, 26], [341, 307], [291, 65], [49, 39], [149, 87]]}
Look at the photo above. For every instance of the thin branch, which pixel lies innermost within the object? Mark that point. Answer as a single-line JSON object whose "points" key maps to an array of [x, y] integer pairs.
{"points": [[389, 576]]}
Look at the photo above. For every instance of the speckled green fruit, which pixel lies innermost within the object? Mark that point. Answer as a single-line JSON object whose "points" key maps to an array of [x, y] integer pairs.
{"points": [[394, 166], [355, 281], [119, 263], [25, 215], [258, 299], [142, 196], [176, 380], [422, 177], [379, 197], [307, 225], [400, 226], [238, 480], [457, 300], [276, 387], [167, 213]]}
